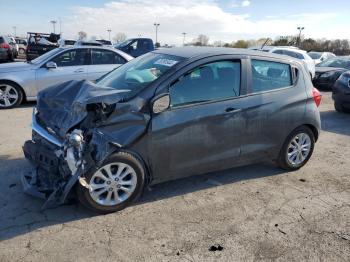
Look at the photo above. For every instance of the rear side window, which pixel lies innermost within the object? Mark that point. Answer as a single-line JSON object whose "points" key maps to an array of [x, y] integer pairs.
{"points": [[106, 57], [2, 40], [208, 82], [268, 75]]}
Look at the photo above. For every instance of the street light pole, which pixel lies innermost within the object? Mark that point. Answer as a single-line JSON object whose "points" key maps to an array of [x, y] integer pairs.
{"points": [[183, 41], [53, 22], [156, 25], [109, 34], [300, 28]]}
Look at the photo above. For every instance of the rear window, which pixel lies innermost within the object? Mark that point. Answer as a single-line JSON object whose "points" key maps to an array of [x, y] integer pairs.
{"points": [[268, 75], [2, 40]]}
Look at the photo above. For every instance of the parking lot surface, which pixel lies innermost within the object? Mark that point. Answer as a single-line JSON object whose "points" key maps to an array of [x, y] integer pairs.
{"points": [[252, 213]]}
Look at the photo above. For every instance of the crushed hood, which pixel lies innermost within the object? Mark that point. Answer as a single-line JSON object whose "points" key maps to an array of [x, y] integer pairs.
{"points": [[64, 105]]}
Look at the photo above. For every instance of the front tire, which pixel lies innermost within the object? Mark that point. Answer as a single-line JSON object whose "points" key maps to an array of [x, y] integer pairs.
{"points": [[297, 149], [11, 95], [115, 185]]}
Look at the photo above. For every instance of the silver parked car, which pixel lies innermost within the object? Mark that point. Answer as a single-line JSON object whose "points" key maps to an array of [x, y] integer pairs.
{"points": [[23, 80]]}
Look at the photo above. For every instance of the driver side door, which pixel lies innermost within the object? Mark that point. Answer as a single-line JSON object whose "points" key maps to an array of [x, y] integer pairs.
{"points": [[201, 130], [71, 65]]}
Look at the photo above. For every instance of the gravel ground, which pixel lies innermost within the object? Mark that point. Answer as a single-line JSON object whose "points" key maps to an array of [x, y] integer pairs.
{"points": [[251, 213]]}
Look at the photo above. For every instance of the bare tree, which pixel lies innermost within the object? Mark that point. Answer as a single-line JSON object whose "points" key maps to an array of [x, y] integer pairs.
{"points": [[201, 40], [82, 35], [119, 37]]}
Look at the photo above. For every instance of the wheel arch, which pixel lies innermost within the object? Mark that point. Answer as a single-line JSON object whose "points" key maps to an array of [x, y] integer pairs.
{"points": [[17, 84], [314, 130]]}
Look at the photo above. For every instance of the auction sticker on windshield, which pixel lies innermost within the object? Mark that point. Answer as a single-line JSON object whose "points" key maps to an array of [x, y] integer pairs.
{"points": [[165, 62]]}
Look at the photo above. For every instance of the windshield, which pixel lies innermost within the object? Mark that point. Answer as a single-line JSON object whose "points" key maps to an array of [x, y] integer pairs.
{"points": [[139, 72], [336, 62], [123, 44], [315, 55], [45, 56]]}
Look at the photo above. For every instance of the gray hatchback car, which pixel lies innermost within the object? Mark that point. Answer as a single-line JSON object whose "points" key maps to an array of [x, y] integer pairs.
{"points": [[170, 113]]}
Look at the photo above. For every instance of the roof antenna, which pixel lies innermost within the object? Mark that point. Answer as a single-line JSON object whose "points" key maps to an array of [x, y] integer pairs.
{"points": [[263, 45]]}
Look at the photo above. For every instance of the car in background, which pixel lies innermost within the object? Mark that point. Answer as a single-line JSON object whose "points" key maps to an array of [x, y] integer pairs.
{"points": [[64, 42], [146, 122], [296, 53], [319, 57], [7, 49], [328, 71], [87, 43], [136, 46], [13, 41], [40, 43], [105, 42], [341, 93], [23, 80], [22, 46]]}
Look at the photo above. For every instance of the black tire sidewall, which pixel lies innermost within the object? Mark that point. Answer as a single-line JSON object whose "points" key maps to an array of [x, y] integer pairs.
{"points": [[338, 107], [19, 92], [283, 161], [127, 158]]}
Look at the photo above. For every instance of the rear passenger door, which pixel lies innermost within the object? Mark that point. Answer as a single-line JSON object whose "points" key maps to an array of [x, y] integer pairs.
{"points": [[275, 103], [102, 62]]}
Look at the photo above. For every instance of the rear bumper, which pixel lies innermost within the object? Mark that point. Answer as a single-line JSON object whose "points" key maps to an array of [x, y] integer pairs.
{"points": [[4, 54], [323, 85]]}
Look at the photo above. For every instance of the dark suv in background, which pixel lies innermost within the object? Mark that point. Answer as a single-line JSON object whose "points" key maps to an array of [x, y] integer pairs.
{"points": [[168, 114], [7, 49]]}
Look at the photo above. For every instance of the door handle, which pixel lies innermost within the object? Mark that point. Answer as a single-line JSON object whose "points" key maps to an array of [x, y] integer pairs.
{"points": [[79, 70], [232, 110]]}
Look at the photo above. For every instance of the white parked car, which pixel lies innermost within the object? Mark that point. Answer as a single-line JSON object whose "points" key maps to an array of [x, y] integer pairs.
{"points": [[319, 57], [292, 52], [13, 40], [297, 53], [23, 80]]}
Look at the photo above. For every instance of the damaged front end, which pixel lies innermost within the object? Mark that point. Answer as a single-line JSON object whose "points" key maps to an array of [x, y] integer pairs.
{"points": [[75, 127]]}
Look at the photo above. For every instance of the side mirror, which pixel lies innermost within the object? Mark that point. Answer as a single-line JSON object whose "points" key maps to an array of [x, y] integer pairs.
{"points": [[51, 65], [160, 103]]}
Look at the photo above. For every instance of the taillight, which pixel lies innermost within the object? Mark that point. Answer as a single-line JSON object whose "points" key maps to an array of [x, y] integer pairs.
{"points": [[4, 45], [317, 96]]}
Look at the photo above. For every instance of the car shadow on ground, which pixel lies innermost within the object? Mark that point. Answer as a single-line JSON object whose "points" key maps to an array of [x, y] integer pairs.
{"points": [[27, 104], [335, 122], [21, 213]]}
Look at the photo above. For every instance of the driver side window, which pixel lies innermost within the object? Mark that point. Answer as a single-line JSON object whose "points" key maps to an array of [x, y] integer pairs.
{"points": [[77, 57], [208, 82]]}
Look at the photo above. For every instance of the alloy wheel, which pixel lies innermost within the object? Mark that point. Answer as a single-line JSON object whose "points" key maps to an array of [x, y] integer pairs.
{"points": [[299, 149], [113, 184], [8, 95]]}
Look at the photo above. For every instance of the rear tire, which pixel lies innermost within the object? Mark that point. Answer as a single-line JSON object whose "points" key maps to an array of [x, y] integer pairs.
{"points": [[297, 149], [123, 189]]}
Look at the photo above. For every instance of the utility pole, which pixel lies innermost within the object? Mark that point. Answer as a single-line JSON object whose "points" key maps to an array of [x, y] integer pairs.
{"points": [[300, 28], [183, 41], [15, 30], [109, 34], [53, 22], [156, 25]]}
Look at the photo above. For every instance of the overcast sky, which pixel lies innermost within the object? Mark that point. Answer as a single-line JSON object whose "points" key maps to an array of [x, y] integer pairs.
{"points": [[218, 19]]}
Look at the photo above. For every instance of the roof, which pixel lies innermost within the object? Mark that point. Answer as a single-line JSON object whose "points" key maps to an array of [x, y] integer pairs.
{"points": [[189, 52]]}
